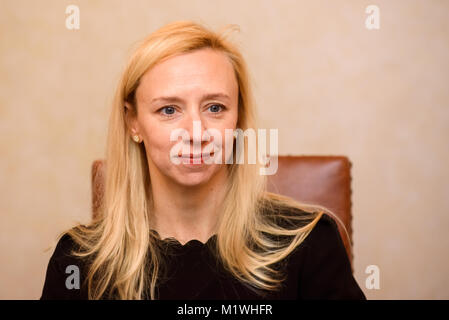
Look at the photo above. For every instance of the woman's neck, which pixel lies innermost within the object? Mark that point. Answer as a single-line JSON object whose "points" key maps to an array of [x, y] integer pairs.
{"points": [[185, 212]]}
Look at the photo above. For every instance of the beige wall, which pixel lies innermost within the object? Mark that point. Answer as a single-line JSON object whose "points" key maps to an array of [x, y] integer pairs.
{"points": [[330, 85]]}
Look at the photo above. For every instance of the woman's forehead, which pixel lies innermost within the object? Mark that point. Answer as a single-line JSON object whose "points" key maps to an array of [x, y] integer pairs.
{"points": [[200, 71]]}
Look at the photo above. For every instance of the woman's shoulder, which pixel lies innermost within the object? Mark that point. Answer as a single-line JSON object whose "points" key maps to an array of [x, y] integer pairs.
{"points": [[65, 271], [65, 248], [294, 217], [321, 258], [326, 228], [323, 233], [324, 259], [323, 240]]}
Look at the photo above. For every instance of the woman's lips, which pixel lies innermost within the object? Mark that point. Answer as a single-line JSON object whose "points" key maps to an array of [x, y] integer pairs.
{"points": [[196, 159], [194, 156]]}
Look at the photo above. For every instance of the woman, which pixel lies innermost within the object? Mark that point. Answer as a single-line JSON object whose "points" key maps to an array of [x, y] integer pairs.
{"points": [[170, 230]]}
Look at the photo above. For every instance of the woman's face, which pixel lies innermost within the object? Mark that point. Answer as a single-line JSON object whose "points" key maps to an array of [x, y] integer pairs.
{"points": [[197, 86]]}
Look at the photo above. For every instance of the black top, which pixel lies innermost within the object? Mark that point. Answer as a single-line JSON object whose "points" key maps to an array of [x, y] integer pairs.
{"points": [[318, 268]]}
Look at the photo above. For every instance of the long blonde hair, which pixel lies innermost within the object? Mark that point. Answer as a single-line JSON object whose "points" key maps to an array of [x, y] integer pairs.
{"points": [[124, 260]]}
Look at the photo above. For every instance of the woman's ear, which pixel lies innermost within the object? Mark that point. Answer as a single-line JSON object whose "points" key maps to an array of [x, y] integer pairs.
{"points": [[131, 119]]}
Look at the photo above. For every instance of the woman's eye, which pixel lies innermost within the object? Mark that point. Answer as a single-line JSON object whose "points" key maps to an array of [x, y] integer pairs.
{"points": [[168, 110], [215, 108]]}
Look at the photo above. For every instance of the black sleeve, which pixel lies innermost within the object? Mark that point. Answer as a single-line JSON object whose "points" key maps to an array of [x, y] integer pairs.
{"points": [[326, 272], [55, 287]]}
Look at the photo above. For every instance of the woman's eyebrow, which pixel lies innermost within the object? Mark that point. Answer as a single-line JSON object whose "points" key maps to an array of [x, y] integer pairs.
{"points": [[178, 99]]}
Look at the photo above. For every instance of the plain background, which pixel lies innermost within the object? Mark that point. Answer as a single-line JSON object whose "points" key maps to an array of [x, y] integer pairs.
{"points": [[330, 85]]}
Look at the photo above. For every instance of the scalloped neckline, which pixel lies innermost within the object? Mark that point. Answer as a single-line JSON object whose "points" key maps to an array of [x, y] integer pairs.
{"points": [[177, 243]]}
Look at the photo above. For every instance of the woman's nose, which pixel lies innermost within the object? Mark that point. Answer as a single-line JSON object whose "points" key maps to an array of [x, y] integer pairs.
{"points": [[195, 126]]}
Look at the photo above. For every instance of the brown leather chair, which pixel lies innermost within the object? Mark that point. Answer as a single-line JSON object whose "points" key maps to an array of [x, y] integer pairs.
{"points": [[322, 180]]}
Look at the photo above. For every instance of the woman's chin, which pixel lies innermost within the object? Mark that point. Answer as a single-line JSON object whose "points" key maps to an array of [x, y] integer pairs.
{"points": [[191, 176], [193, 179]]}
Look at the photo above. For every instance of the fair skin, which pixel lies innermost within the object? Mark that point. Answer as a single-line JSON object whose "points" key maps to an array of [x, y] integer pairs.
{"points": [[186, 196]]}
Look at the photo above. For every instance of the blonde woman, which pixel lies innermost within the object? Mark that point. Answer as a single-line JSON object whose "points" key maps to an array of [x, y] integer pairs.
{"points": [[191, 229]]}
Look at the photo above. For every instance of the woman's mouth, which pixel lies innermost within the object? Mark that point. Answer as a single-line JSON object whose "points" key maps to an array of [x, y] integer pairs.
{"points": [[196, 158]]}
